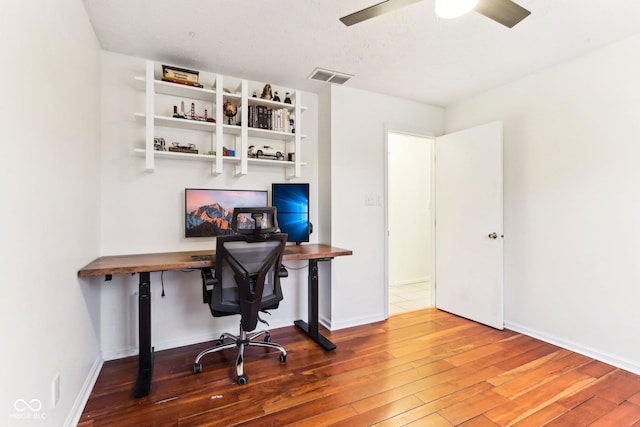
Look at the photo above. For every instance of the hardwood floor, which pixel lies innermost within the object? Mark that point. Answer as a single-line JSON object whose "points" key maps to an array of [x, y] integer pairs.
{"points": [[423, 368]]}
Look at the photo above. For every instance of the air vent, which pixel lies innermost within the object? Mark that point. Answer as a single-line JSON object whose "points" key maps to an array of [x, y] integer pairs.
{"points": [[330, 76]]}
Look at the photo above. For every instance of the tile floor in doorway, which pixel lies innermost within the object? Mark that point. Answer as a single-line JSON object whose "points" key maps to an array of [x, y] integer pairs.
{"points": [[414, 296]]}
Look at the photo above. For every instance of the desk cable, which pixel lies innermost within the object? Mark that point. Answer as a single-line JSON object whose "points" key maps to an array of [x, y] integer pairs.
{"points": [[162, 281], [295, 268]]}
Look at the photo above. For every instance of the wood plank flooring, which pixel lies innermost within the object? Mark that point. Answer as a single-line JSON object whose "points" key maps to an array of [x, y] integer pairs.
{"points": [[423, 368]]}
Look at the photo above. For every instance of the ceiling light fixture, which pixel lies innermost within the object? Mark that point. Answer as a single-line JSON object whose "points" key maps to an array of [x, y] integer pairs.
{"points": [[454, 8]]}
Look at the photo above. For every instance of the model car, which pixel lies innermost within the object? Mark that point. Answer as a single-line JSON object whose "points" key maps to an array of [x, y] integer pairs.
{"points": [[258, 151]]}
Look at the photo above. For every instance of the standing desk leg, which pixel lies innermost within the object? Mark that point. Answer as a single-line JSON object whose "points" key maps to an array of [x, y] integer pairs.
{"points": [[145, 356], [311, 328]]}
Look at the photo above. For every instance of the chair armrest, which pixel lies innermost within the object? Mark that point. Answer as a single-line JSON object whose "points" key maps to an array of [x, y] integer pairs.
{"points": [[208, 282]]}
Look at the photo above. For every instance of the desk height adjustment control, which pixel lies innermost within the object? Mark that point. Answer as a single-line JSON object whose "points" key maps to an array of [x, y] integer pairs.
{"points": [[283, 272]]}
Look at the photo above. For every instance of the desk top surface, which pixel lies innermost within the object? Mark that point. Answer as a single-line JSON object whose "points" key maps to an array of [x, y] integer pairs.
{"points": [[136, 263]]}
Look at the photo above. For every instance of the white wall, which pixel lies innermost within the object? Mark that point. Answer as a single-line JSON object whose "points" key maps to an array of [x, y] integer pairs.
{"points": [[144, 212], [50, 221], [409, 206], [359, 121], [572, 200], [324, 201]]}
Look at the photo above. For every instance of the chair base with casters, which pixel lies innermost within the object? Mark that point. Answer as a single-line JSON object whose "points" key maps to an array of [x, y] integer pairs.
{"points": [[241, 341]]}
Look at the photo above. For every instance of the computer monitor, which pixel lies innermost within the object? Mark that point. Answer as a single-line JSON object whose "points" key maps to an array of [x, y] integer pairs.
{"points": [[291, 201], [209, 212]]}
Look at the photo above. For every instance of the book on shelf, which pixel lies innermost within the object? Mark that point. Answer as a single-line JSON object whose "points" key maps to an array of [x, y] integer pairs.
{"points": [[262, 117]]}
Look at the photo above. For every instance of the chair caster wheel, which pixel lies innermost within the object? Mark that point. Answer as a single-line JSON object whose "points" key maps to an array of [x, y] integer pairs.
{"points": [[197, 368], [243, 379], [283, 358]]}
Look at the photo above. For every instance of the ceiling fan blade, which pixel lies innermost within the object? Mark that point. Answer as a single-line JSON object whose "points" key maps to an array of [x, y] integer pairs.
{"points": [[375, 10], [504, 12]]}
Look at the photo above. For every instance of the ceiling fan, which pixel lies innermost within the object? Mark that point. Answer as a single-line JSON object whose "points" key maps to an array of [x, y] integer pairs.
{"points": [[505, 12]]}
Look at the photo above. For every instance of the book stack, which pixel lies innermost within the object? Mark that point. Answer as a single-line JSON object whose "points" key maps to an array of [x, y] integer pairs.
{"points": [[262, 117]]}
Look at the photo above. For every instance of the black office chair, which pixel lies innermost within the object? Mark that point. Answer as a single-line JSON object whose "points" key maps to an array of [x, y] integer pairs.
{"points": [[246, 281]]}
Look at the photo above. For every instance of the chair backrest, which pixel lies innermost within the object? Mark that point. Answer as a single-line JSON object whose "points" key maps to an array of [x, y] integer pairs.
{"points": [[247, 275]]}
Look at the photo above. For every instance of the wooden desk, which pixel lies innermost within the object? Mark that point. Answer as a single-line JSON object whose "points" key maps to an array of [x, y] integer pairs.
{"points": [[144, 264]]}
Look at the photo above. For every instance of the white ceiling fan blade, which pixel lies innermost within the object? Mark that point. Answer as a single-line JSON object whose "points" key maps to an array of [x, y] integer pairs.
{"points": [[504, 12], [375, 10]]}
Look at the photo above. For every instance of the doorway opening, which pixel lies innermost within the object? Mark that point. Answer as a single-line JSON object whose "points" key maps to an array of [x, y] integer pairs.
{"points": [[409, 217]]}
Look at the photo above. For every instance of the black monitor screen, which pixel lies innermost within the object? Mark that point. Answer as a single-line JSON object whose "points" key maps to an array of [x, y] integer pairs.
{"points": [[292, 204], [209, 213]]}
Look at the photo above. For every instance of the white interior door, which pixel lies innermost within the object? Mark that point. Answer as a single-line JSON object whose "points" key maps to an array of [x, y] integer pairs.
{"points": [[468, 230]]}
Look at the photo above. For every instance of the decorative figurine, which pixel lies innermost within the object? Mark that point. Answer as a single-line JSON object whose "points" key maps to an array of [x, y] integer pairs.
{"points": [[159, 144], [266, 92], [230, 110], [207, 118], [287, 98], [192, 115], [276, 98], [183, 148], [254, 94], [180, 75]]}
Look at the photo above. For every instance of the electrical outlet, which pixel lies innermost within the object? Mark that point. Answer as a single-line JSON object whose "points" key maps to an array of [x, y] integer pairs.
{"points": [[55, 391], [370, 199]]}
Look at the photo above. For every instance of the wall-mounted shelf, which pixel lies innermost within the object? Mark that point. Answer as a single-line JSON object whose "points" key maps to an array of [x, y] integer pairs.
{"points": [[183, 91], [242, 135], [178, 123], [186, 156]]}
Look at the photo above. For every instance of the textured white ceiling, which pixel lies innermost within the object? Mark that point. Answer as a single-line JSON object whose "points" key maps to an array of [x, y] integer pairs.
{"points": [[409, 53]]}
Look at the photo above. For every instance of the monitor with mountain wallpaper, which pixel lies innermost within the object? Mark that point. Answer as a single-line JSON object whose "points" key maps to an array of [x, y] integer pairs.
{"points": [[208, 212]]}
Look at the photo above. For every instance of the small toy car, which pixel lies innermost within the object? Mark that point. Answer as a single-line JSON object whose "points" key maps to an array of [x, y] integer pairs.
{"points": [[265, 151]]}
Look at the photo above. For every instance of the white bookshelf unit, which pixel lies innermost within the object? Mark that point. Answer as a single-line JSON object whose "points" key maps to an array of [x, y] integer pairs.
{"points": [[213, 99]]}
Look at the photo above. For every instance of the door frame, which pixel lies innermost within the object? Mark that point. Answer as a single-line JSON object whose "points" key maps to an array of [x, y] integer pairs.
{"points": [[431, 140]]}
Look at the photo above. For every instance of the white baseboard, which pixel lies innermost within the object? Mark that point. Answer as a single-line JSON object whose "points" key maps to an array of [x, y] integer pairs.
{"points": [[213, 335], [81, 400], [163, 345], [182, 341], [120, 353], [608, 358], [351, 322]]}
